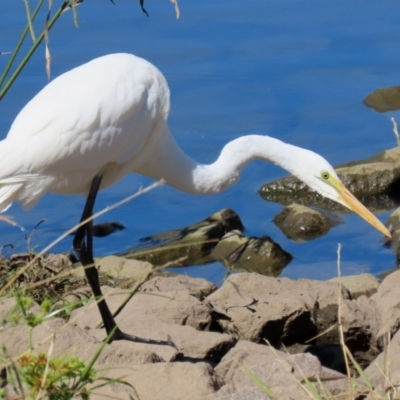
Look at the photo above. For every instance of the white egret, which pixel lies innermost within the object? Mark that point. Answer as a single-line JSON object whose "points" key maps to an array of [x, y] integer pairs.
{"points": [[94, 124]]}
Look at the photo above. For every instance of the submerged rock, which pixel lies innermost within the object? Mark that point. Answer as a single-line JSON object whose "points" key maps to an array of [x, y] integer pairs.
{"points": [[384, 99], [107, 228], [217, 238], [301, 223], [190, 245], [375, 181], [251, 254]]}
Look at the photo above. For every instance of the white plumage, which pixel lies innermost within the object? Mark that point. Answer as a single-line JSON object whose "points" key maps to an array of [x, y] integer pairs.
{"points": [[83, 121]]}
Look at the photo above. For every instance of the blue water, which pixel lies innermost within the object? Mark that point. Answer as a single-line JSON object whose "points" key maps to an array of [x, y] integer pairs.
{"points": [[294, 69]]}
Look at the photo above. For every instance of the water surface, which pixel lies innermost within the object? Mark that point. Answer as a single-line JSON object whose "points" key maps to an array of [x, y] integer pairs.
{"points": [[294, 69]]}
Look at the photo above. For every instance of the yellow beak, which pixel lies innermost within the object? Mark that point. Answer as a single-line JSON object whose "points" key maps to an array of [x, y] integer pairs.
{"points": [[353, 204]]}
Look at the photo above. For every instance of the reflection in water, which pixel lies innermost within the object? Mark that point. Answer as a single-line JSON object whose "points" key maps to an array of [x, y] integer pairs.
{"points": [[191, 245], [217, 238]]}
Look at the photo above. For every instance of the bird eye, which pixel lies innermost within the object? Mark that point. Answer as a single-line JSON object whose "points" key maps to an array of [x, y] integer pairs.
{"points": [[325, 175]]}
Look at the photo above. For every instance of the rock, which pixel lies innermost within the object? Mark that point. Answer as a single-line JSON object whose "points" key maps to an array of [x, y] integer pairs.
{"points": [[66, 338], [245, 353], [74, 298], [387, 303], [176, 307], [249, 394], [210, 365], [393, 222], [112, 391], [153, 316], [251, 254], [384, 99], [273, 368], [360, 326], [168, 381], [190, 245], [57, 262], [249, 307], [359, 285], [126, 353], [282, 311], [384, 372], [8, 306], [329, 355], [301, 223], [125, 272], [196, 287], [191, 344], [107, 228], [217, 238], [374, 181]]}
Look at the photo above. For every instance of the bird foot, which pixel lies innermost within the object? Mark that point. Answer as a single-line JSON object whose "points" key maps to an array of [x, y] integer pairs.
{"points": [[119, 335]]}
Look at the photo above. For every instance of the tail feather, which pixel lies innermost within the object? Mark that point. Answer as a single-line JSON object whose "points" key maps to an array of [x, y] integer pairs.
{"points": [[8, 193]]}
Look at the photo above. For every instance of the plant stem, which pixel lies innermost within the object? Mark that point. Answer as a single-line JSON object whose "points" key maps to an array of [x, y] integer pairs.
{"points": [[31, 51], [30, 20], [19, 44]]}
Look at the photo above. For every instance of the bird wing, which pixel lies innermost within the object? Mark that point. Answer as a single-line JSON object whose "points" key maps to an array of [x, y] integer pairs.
{"points": [[99, 113]]}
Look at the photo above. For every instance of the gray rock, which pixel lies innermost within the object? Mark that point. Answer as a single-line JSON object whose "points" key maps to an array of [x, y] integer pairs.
{"points": [[251, 254], [384, 99], [359, 285], [196, 287], [275, 369], [177, 307], [384, 372], [360, 326], [123, 271], [166, 322], [301, 223], [8, 306], [387, 303], [192, 344], [168, 381], [366, 179], [393, 222], [258, 308], [249, 394]]}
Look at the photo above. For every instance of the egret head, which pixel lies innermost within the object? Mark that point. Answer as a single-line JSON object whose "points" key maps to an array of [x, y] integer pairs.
{"points": [[320, 176]]}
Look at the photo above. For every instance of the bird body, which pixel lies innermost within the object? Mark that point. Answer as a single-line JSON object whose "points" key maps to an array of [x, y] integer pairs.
{"points": [[101, 115]]}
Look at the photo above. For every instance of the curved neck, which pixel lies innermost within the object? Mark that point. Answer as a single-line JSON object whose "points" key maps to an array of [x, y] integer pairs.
{"points": [[170, 163]]}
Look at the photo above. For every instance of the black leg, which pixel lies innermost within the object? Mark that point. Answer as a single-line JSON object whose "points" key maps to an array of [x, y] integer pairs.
{"points": [[84, 250]]}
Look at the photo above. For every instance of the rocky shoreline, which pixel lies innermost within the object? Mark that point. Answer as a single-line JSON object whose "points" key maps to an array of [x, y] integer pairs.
{"points": [[277, 330]]}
